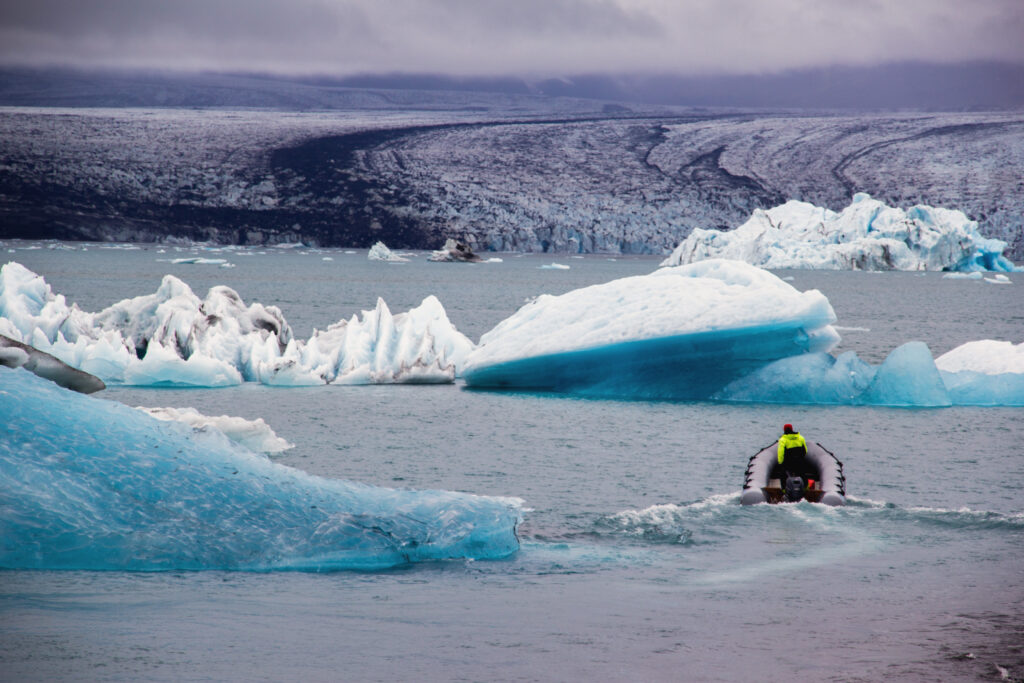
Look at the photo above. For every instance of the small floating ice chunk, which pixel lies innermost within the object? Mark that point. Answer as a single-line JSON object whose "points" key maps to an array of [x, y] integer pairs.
{"points": [[380, 252], [555, 266], [200, 261], [976, 275], [256, 435]]}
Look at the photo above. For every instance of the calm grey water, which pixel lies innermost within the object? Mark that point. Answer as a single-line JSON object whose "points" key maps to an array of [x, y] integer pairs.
{"points": [[637, 561]]}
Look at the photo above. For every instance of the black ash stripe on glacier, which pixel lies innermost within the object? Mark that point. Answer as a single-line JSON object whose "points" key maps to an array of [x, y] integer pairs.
{"points": [[499, 179]]}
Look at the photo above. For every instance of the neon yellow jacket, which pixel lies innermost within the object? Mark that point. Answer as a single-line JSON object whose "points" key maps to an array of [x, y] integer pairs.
{"points": [[789, 441]]}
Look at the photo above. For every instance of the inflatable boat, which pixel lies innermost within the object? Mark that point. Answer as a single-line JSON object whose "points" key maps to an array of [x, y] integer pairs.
{"points": [[823, 480]]}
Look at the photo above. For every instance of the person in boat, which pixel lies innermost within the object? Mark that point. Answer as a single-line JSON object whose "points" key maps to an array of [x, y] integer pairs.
{"points": [[791, 455]]}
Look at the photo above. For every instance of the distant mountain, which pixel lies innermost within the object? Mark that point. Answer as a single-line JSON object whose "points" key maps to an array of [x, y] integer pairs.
{"points": [[906, 85]]}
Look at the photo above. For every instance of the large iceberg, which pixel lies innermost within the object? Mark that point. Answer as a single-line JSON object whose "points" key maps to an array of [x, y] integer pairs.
{"points": [[677, 333], [92, 484], [866, 235], [173, 337]]}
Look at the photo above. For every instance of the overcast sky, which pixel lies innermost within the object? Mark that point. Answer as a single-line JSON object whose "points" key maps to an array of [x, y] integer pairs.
{"points": [[499, 37]]}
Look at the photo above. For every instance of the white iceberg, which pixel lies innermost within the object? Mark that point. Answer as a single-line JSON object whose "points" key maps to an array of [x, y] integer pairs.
{"points": [[93, 484], [677, 333], [456, 251], [866, 235], [985, 372], [256, 435], [380, 252], [173, 337]]}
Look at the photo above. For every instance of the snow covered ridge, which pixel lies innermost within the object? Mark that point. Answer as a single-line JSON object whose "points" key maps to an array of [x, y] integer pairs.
{"points": [[676, 333], [173, 337], [866, 235], [133, 493]]}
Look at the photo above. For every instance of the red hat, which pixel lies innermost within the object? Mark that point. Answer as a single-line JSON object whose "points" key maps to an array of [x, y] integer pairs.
{"points": [[787, 428]]}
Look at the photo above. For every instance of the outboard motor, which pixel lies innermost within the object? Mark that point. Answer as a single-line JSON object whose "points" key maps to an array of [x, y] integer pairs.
{"points": [[794, 489]]}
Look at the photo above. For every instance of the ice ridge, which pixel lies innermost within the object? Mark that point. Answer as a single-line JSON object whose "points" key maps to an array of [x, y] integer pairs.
{"points": [[92, 484], [173, 337], [866, 235]]}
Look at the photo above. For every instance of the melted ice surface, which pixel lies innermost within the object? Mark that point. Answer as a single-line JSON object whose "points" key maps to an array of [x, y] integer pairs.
{"points": [[866, 235], [92, 484]]}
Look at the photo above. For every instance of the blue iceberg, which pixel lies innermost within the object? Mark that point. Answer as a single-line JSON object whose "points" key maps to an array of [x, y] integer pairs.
{"points": [[908, 377], [678, 333], [92, 484]]}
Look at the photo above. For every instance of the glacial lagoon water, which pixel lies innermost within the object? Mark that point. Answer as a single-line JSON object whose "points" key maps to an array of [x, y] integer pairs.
{"points": [[636, 560]]}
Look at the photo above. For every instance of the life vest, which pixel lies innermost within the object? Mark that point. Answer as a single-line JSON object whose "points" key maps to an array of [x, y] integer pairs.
{"points": [[791, 444]]}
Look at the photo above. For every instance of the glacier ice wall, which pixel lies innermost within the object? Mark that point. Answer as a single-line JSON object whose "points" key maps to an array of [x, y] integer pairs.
{"points": [[173, 337], [866, 235], [92, 484], [676, 333]]}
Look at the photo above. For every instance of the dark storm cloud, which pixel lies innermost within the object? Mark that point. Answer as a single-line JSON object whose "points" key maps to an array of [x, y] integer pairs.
{"points": [[507, 37]]}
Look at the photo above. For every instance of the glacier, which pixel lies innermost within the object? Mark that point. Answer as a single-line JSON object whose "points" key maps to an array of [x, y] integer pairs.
{"points": [[678, 333], [173, 337], [866, 235], [92, 484]]}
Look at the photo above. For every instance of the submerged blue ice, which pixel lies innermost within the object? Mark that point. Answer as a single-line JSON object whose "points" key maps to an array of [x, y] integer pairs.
{"points": [[92, 484], [908, 377], [685, 366]]}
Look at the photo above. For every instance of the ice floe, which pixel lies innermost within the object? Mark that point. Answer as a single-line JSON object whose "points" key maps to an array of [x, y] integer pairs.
{"points": [[173, 337], [93, 484], [866, 235]]}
